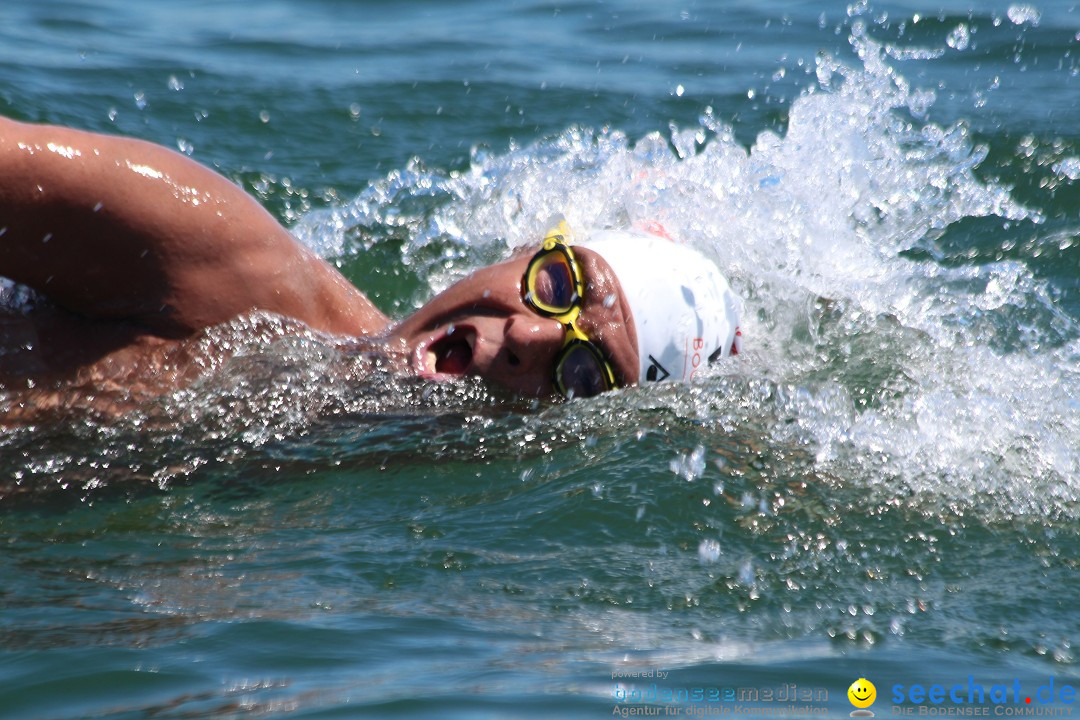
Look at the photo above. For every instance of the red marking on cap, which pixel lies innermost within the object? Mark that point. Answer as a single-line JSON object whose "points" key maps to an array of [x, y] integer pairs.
{"points": [[653, 227]]}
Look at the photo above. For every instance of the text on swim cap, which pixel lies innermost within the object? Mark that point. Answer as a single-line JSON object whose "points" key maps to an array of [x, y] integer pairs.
{"points": [[695, 358]]}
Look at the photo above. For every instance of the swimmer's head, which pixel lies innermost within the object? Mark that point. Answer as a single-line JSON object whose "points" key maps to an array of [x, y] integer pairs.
{"points": [[684, 313], [651, 308]]}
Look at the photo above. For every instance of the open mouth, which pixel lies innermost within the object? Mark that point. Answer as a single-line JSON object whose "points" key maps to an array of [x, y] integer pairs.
{"points": [[450, 354]]}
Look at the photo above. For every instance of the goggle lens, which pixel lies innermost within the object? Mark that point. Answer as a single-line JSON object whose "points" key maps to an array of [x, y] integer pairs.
{"points": [[580, 371], [550, 283]]}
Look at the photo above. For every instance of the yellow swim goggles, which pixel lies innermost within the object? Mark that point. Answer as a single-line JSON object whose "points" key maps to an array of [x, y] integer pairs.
{"points": [[553, 286]]}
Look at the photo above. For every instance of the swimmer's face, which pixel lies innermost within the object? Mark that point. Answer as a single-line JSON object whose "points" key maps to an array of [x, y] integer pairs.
{"points": [[480, 326]]}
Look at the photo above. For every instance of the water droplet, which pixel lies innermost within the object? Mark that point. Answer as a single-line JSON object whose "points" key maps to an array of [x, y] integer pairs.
{"points": [[1069, 167], [857, 8], [746, 572], [709, 551], [689, 467], [264, 116], [175, 83], [1024, 15], [959, 38]]}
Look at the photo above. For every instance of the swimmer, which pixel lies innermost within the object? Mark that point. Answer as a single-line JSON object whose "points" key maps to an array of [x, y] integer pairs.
{"points": [[135, 249]]}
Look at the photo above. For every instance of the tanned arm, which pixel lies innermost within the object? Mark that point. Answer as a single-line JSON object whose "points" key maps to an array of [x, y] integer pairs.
{"points": [[113, 228]]}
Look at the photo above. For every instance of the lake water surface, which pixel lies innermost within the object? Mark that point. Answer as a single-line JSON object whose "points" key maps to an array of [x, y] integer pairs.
{"points": [[885, 484]]}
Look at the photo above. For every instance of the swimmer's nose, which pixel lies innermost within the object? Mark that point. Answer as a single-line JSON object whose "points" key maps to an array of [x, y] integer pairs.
{"points": [[530, 344]]}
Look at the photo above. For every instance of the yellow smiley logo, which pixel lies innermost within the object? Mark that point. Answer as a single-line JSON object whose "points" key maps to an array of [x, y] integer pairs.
{"points": [[862, 693]]}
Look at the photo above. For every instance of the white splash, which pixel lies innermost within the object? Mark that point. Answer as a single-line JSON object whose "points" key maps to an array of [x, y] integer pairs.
{"points": [[928, 378]]}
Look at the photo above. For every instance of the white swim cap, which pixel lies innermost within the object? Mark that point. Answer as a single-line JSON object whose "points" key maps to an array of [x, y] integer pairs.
{"points": [[685, 314]]}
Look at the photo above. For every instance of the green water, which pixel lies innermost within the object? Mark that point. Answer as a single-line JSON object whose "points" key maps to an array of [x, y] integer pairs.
{"points": [[884, 484]]}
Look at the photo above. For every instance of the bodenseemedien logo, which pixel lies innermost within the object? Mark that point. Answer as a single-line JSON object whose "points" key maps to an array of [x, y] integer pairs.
{"points": [[862, 694]]}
